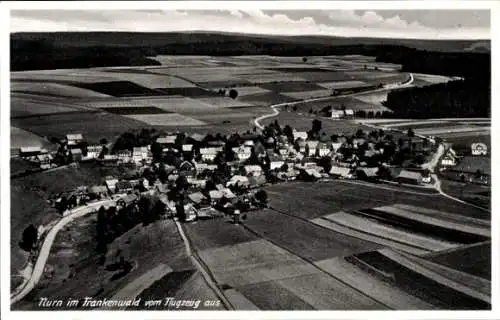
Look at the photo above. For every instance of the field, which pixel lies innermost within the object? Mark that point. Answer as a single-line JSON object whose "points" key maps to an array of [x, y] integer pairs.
{"points": [[284, 258]]}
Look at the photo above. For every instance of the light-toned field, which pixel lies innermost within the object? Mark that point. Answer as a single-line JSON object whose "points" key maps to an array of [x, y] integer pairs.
{"points": [[223, 102], [245, 91], [168, 119], [47, 88], [377, 289], [374, 98], [307, 94], [451, 129], [25, 107], [375, 228], [343, 84], [430, 78], [150, 80], [271, 77], [22, 138]]}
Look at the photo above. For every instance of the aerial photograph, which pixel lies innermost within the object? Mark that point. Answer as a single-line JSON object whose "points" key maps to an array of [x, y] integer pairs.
{"points": [[250, 160]]}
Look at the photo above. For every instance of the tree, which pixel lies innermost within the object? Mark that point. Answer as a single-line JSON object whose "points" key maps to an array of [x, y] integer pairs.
{"points": [[103, 141], [316, 125], [29, 238], [181, 213], [304, 59], [478, 174], [410, 133], [310, 111], [360, 133], [261, 197], [326, 163], [288, 132], [233, 94], [181, 183], [294, 108], [157, 151]]}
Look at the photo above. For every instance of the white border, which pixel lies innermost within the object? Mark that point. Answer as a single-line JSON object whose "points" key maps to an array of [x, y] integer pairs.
{"points": [[5, 168]]}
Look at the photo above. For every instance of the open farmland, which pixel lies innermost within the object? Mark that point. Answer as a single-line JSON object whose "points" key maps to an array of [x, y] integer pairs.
{"points": [[22, 138], [54, 89]]}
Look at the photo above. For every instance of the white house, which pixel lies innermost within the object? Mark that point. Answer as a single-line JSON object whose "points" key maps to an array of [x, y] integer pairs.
{"points": [[74, 138], [276, 164], [448, 161], [323, 149], [111, 184], [311, 147], [336, 114], [187, 147], [200, 167], [479, 149], [349, 112], [336, 146], [299, 134], [243, 153], [167, 140], [208, 154], [139, 154], [254, 170], [94, 151]]}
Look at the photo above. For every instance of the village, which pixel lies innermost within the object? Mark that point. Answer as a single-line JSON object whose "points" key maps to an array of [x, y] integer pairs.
{"points": [[197, 176]]}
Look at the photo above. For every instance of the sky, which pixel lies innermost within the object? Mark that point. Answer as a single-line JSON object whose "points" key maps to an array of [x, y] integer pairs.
{"points": [[414, 24]]}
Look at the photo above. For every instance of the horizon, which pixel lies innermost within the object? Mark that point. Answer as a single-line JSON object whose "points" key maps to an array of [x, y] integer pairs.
{"points": [[379, 24]]}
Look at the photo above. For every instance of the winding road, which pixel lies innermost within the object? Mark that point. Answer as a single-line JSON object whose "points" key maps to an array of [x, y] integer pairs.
{"points": [[43, 255], [276, 111]]}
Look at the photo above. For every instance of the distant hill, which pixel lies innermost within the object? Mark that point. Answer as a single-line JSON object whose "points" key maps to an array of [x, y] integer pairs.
{"points": [[134, 39]]}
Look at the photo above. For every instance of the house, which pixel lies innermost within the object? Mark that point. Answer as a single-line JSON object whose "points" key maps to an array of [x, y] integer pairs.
{"points": [[479, 149], [349, 113], [341, 172], [368, 174], [124, 156], [186, 166], [44, 159], [336, 114], [256, 181], [187, 148], [283, 152], [98, 191], [76, 154], [426, 179], [167, 141], [208, 154], [313, 173], [448, 160], [111, 184], [127, 200], [139, 154], [74, 139], [242, 153], [238, 180], [29, 152], [311, 147], [299, 135], [254, 170], [197, 137], [227, 193], [323, 149], [410, 177], [93, 151], [123, 186], [276, 164], [200, 167]]}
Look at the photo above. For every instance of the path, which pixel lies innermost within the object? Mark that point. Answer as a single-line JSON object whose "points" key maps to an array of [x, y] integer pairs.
{"points": [[275, 106], [43, 255], [202, 268]]}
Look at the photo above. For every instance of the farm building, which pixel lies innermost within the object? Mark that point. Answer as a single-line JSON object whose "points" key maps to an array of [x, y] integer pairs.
{"points": [[342, 172], [139, 154], [45, 160], [29, 152], [256, 181], [254, 170], [299, 134], [111, 184], [123, 186], [242, 153], [276, 164], [336, 146], [367, 174], [450, 158], [74, 139], [238, 180], [76, 154], [186, 166], [127, 200], [336, 114], [208, 154], [311, 147], [187, 148], [323, 149], [410, 177], [98, 191], [479, 149], [167, 141], [93, 151]]}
